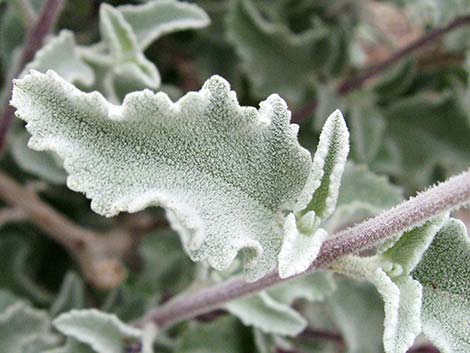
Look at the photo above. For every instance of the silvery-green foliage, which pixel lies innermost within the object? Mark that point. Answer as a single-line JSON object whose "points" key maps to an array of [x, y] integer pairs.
{"points": [[275, 59], [61, 54], [71, 295], [20, 326], [362, 194], [271, 311], [444, 275], [358, 312], [71, 346], [103, 332], [391, 272], [47, 166], [437, 12], [302, 235], [183, 156]]}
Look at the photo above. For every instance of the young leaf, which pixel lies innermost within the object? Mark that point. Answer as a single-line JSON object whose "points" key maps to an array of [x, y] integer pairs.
{"points": [[444, 274], [299, 246], [19, 325], [61, 55], [152, 20], [268, 315], [105, 333], [128, 60], [224, 173], [71, 295], [328, 166]]}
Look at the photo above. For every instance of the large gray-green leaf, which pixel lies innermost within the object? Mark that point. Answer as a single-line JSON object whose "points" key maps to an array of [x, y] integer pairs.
{"points": [[105, 333], [20, 325], [152, 20], [224, 173], [61, 55], [275, 59], [358, 311], [445, 276]]}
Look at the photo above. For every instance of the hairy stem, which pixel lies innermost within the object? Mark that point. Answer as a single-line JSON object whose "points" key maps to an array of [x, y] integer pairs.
{"points": [[34, 41], [351, 84], [446, 196]]}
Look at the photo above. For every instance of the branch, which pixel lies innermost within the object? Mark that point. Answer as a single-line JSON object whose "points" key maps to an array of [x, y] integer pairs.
{"points": [[34, 41], [446, 196], [97, 255], [349, 85]]}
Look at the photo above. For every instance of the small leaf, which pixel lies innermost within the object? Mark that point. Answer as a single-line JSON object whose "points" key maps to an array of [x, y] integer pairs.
{"points": [[268, 315], [71, 295], [299, 247], [328, 166], [61, 55], [105, 333], [152, 20], [402, 297], [444, 274], [224, 173], [19, 325], [128, 60]]}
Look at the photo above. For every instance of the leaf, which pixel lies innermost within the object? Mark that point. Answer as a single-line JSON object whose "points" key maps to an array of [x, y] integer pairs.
{"points": [[300, 247], [421, 128], [408, 250], [268, 315], [362, 194], [152, 20], [444, 274], [6, 299], [61, 55], [274, 58], [104, 332], [71, 295], [222, 335], [217, 168], [129, 62], [20, 325], [402, 297], [71, 346], [270, 311], [302, 238], [47, 166], [328, 166], [358, 311]]}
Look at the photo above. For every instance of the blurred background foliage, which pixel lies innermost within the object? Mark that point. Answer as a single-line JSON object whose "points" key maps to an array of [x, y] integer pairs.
{"points": [[409, 123]]}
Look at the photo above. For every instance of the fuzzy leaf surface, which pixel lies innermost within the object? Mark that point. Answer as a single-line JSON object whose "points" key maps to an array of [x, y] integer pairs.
{"points": [[445, 276], [224, 173]]}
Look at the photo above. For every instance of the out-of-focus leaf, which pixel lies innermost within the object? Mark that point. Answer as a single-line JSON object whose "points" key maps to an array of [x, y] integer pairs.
{"points": [[71, 295]]}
